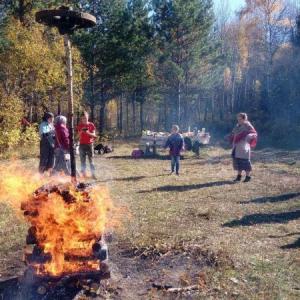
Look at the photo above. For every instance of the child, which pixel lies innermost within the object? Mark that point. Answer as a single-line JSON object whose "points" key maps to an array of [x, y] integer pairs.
{"points": [[175, 143]]}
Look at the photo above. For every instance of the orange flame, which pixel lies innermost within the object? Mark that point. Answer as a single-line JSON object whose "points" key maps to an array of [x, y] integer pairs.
{"points": [[65, 230]]}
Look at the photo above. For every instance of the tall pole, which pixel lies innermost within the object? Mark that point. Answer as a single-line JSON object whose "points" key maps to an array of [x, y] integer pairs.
{"points": [[68, 51]]}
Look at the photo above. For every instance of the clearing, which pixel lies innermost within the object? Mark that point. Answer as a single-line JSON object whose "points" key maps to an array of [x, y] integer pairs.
{"points": [[198, 230]]}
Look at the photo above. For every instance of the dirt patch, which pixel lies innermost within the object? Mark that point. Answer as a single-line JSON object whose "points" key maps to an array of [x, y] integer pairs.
{"points": [[181, 273]]}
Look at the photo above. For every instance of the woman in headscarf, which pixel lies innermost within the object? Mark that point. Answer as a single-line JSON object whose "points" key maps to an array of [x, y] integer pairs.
{"points": [[62, 146], [47, 135], [243, 138]]}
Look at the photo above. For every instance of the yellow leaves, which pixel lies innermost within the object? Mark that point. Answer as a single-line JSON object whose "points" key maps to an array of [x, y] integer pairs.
{"points": [[35, 64], [243, 42], [31, 56], [10, 117], [227, 76]]}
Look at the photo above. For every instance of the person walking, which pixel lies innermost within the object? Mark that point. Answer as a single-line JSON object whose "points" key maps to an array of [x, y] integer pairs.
{"points": [[62, 146], [243, 138], [87, 134], [175, 143], [47, 135]]}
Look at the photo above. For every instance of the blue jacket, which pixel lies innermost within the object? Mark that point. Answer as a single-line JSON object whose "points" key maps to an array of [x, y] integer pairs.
{"points": [[175, 142]]}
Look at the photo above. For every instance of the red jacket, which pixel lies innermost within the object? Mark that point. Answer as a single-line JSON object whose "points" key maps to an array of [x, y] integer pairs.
{"points": [[62, 137]]}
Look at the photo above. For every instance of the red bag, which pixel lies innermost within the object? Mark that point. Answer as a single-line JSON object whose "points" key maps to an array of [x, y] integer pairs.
{"points": [[137, 153]]}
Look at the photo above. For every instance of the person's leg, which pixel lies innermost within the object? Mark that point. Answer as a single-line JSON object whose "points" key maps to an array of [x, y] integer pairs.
{"points": [[66, 163], [248, 171], [177, 162], [236, 167], [82, 154], [172, 163], [51, 158], [42, 157], [90, 153]]}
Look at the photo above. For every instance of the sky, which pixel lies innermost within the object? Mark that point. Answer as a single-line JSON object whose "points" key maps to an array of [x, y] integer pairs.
{"points": [[233, 4]]}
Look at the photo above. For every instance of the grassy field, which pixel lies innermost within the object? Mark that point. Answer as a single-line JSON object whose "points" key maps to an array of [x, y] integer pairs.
{"points": [[235, 241]]}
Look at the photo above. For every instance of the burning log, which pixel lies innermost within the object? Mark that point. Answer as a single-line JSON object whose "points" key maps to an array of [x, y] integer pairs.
{"points": [[31, 236], [100, 250], [67, 229]]}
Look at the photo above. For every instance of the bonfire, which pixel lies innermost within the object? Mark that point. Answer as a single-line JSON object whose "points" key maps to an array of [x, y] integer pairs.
{"points": [[66, 222]]}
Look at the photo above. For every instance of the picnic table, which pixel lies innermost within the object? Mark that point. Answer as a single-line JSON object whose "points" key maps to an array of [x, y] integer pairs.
{"points": [[151, 140]]}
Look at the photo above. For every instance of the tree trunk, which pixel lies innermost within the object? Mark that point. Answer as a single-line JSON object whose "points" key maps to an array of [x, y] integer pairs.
{"points": [[142, 115], [133, 113], [102, 118], [179, 103], [121, 115], [232, 104], [198, 109], [92, 107], [21, 11], [166, 113], [68, 50], [127, 117], [58, 107], [30, 112], [92, 100]]}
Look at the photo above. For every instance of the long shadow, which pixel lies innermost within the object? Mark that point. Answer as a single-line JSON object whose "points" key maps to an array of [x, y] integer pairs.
{"points": [[131, 178], [272, 199], [156, 157], [294, 245], [184, 188], [284, 235], [255, 219]]}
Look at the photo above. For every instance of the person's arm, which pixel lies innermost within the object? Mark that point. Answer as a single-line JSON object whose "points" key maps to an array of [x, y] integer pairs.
{"points": [[92, 133], [65, 138], [167, 144]]}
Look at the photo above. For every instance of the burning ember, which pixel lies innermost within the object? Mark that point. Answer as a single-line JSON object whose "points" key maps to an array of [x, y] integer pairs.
{"points": [[67, 226]]}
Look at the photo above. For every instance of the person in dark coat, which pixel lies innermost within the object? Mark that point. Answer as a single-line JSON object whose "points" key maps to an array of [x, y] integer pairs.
{"points": [[62, 146], [47, 135], [175, 143]]}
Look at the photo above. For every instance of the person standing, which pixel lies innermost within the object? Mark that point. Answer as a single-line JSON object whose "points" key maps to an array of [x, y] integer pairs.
{"points": [[87, 134], [243, 138], [175, 143], [47, 135], [62, 146]]}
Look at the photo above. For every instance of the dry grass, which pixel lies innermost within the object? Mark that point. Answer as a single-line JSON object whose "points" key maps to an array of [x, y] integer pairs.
{"points": [[253, 225]]}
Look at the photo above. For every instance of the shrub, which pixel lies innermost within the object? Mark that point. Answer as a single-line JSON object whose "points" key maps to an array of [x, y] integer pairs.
{"points": [[10, 116]]}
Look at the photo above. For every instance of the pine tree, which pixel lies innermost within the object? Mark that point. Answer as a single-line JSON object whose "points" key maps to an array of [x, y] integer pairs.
{"points": [[182, 31]]}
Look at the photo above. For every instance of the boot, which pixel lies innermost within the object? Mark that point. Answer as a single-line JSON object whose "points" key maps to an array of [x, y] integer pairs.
{"points": [[238, 178], [247, 179]]}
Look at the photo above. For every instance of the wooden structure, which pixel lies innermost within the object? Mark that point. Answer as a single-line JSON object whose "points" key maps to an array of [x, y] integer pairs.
{"points": [[67, 21]]}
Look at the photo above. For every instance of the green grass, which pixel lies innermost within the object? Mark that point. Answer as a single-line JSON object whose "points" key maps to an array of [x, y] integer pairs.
{"points": [[166, 212]]}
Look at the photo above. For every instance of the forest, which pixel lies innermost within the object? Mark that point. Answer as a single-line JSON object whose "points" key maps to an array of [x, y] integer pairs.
{"points": [[148, 64]]}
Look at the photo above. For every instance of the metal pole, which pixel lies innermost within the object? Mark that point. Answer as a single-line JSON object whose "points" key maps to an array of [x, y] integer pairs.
{"points": [[68, 50]]}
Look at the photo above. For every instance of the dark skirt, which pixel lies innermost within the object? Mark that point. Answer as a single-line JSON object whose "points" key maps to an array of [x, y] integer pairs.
{"points": [[61, 163], [46, 155], [240, 164]]}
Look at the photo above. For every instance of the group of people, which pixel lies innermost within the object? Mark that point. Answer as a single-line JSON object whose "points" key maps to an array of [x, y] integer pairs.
{"points": [[242, 138], [55, 144]]}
